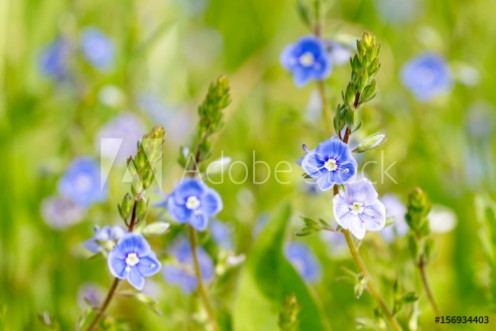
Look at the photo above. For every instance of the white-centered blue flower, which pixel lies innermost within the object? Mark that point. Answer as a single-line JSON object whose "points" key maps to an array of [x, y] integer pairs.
{"points": [[193, 202], [133, 259], [427, 76], [307, 59], [81, 183], [330, 163], [359, 209]]}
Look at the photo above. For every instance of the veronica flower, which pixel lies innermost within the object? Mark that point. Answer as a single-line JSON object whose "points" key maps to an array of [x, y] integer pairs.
{"points": [[396, 209], [97, 48], [358, 208], [81, 183], [133, 259], [222, 233], [60, 213], [119, 137], [427, 76], [183, 274], [53, 61], [104, 237], [193, 202], [307, 59], [90, 294], [330, 163], [304, 261]]}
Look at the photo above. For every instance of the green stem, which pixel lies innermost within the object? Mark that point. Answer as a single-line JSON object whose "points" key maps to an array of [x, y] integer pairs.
{"points": [[371, 287], [201, 287], [106, 303], [427, 288]]}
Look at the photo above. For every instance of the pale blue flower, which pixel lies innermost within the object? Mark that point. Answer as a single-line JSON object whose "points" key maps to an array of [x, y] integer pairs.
{"points": [[307, 59], [54, 58], [183, 274], [81, 183], [304, 261], [221, 234], [104, 237], [427, 76], [397, 210], [60, 213], [90, 294], [330, 163], [97, 48], [358, 208], [193, 202], [133, 259]]}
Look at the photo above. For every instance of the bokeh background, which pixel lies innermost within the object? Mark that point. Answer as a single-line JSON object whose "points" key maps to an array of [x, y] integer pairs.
{"points": [[150, 62]]}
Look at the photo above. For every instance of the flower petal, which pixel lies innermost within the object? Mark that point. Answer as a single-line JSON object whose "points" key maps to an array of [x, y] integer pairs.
{"points": [[357, 228], [187, 188], [199, 221], [326, 181], [92, 245], [135, 278], [149, 265], [374, 216], [332, 148], [116, 265], [345, 171], [361, 190], [131, 243], [301, 77], [313, 165], [211, 203], [178, 212]]}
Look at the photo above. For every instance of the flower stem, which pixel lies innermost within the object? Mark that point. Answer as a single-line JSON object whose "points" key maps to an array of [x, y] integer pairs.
{"points": [[102, 309], [325, 109], [370, 284], [201, 287], [427, 288]]}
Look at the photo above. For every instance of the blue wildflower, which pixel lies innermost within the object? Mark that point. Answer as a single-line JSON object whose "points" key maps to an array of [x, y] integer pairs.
{"points": [[222, 234], [358, 208], [97, 48], [396, 209], [53, 60], [183, 275], [330, 163], [304, 261], [104, 237], [133, 259], [307, 59], [193, 202], [81, 183], [427, 76], [60, 213]]}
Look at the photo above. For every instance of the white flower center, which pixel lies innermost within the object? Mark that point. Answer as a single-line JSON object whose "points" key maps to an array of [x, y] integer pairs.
{"points": [[357, 207], [307, 59], [132, 259], [331, 165], [83, 182], [192, 202]]}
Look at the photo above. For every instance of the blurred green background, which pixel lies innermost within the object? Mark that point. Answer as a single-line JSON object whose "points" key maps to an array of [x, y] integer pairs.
{"points": [[169, 51]]}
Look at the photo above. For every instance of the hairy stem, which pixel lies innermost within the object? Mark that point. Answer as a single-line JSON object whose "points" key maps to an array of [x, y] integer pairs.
{"points": [[427, 288], [371, 287], [201, 287]]}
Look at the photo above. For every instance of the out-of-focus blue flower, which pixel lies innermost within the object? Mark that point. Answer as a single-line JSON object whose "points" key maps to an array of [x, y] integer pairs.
{"points": [[396, 209], [53, 60], [133, 259], [398, 11], [330, 163], [304, 261], [335, 241], [104, 237], [307, 59], [193, 202], [358, 208], [262, 221], [90, 294], [427, 76], [339, 53], [60, 213], [81, 183], [118, 138], [97, 48], [222, 234], [183, 275]]}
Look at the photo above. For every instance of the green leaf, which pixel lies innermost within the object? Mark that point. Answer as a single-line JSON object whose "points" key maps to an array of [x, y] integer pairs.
{"points": [[143, 298], [156, 228], [267, 279]]}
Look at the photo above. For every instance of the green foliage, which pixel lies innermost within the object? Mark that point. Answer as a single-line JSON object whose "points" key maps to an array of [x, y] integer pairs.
{"points": [[312, 226], [418, 207], [268, 279], [370, 142], [288, 318], [362, 86]]}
